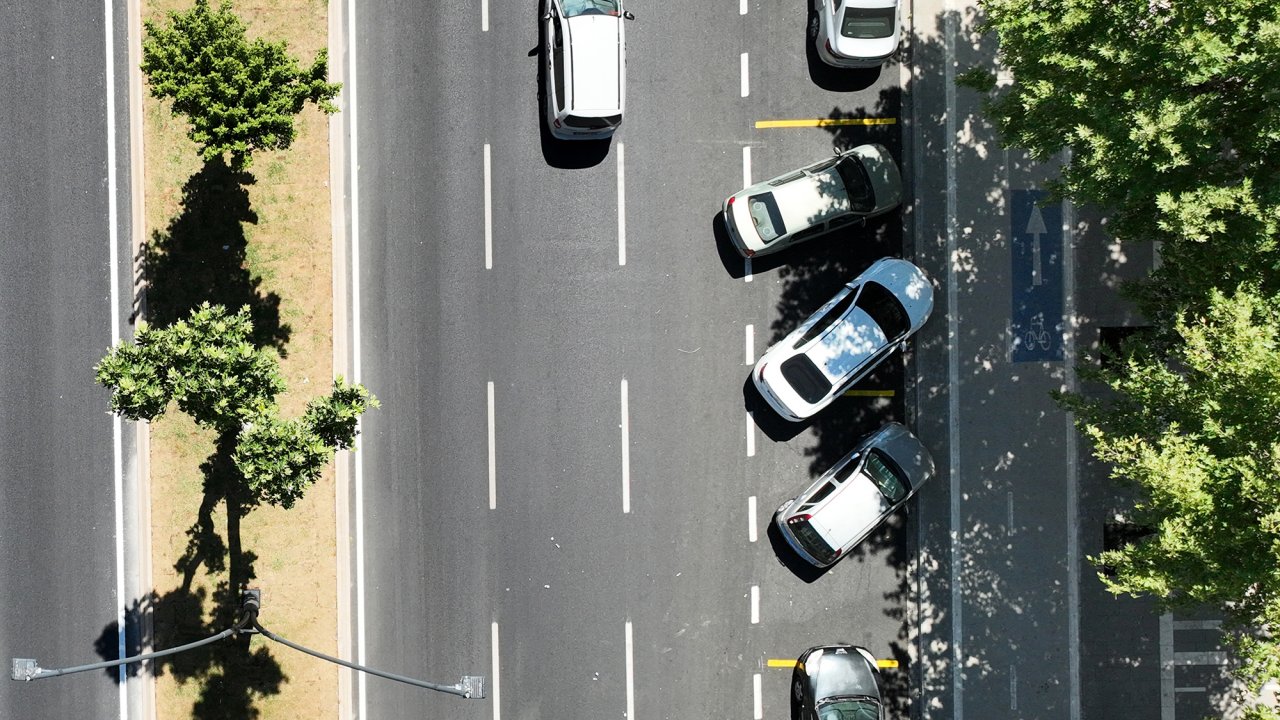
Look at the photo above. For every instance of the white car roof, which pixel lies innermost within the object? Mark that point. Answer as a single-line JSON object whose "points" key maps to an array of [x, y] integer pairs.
{"points": [[810, 196], [854, 338], [594, 41], [849, 512]]}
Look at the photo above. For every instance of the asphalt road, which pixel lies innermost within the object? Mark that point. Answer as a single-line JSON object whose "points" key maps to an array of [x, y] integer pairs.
{"points": [[58, 597], [612, 565]]}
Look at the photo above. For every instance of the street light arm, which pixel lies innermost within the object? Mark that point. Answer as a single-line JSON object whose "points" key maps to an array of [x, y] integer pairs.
{"points": [[27, 669], [471, 686]]}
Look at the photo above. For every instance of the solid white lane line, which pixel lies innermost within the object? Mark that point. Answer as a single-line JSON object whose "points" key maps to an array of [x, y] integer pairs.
{"points": [[1073, 518], [751, 519], [488, 210], [1013, 687], [484, 15], [631, 681], [113, 314], [757, 701], [755, 604], [746, 277], [750, 345], [626, 452], [1008, 530], [751, 435], [1167, 682], [742, 7], [953, 365], [746, 166], [351, 109], [493, 458], [496, 685], [746, 84], [622, 208]]}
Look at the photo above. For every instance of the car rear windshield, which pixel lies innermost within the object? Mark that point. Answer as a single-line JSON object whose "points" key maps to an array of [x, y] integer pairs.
{"points": [[867, 24], [849, 710], [885, 475], [857, 185], [593, 123], [766, 216], [876, 301], [811, 541], [805, 378]]}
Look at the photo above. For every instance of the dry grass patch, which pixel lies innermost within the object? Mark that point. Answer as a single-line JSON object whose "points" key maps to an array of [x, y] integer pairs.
{"points": [[288, 252]]}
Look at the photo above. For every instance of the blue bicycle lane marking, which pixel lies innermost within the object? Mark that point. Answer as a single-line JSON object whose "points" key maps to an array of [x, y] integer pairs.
{"points": [[1036, 320]]}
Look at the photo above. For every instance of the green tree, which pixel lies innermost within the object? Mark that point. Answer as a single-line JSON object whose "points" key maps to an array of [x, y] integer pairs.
{"points": [[1171, 111], [1194, 426], [239, 95], [208, 365]]}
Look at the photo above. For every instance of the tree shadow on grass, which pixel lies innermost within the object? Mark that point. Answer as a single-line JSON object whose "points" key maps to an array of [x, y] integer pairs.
{"points": [[231, 675], [202, 257]]}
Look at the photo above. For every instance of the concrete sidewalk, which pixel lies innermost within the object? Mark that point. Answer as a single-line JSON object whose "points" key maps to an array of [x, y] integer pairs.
{"points": [[1013, 620]]}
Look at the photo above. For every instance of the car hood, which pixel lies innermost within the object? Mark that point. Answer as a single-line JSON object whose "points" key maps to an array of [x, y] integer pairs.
{"points": [[838, 674], [886, 181], [907, 283]]}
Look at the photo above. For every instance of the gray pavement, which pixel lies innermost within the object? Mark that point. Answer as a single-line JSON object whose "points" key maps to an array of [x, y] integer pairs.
{"points": [[58, 577]]}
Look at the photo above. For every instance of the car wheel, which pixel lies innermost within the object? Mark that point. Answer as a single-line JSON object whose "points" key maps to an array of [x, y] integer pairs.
{"points": [[797, 690], [813, 26]]}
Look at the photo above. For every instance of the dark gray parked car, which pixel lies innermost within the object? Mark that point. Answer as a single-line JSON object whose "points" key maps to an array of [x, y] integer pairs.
{"points": [[838, 682]]}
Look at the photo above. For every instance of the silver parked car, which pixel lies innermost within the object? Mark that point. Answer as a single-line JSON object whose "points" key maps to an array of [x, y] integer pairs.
{"points": [[838, 682], [841, 508], [869, 318], [833, 193]]}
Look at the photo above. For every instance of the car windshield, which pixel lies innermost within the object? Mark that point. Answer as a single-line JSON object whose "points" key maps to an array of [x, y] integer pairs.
{"points": [[849, 709], [766, 216], [858, 186], [876, 301], [573, 8], [885, 477], [810, 540], [868, 23]]}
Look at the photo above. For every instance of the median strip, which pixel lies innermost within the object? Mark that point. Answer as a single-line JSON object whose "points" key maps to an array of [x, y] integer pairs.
{"points": [[823, 122]]}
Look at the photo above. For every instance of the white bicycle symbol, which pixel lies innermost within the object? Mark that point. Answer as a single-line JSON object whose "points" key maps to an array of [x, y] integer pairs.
{"points": [[1037, 334]]}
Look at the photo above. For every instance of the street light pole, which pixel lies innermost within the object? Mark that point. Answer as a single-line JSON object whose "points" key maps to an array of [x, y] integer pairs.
{"points": [[27, 669]]}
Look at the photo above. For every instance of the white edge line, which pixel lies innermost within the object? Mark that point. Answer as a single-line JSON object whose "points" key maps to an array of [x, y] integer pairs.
{"points": [[755, 604], [746, 82], [746, 270], [742, 8], [625, 426], [751, 519], [117, 423], [351, 107], [496, 685], [622, 207], [493, 459], [631, 668], [1073, 518], [749, 345], [746, 166], [953, 365], [751, 435], [757, 700], [488, 210], [484, 15]]}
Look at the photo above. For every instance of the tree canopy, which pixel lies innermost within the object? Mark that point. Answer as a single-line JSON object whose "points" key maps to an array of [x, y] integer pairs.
{"points": [[209, 367], [240, 95], [1170, 112]]}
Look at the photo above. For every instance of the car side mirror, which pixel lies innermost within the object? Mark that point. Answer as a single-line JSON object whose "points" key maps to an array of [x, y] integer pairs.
{"points": [[863, 221], [547, 16], [627, 14]]}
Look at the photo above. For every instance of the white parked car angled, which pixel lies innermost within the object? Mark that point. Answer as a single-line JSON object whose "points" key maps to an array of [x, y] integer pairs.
{"points": [[851, 499], [837, 346], [585, 57], [857, 33], [857, 184]]}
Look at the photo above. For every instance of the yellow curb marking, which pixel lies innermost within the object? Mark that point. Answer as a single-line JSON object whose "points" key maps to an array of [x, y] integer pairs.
{"points": [[823, 122], [887, 663], [868, 393], [781, 663]]}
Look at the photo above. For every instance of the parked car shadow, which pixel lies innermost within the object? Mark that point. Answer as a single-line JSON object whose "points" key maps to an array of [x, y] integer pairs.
{"points": [[829, 78], [734, 263], [773, 425]]}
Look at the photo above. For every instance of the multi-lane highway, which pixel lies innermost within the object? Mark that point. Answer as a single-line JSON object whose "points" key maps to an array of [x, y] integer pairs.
{"points": [[564, 489], [62, 519]]}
